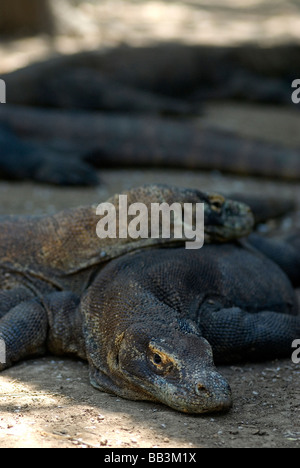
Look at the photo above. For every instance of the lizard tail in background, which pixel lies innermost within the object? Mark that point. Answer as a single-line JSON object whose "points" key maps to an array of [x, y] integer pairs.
{"points": [[125, 141]]}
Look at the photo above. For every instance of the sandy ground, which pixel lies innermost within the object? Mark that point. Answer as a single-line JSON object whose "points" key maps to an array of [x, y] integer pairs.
{"points": [[49, 402], [108, 23]]}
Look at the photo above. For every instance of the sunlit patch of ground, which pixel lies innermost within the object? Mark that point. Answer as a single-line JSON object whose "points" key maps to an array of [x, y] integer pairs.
{"points": [[95, 24]]}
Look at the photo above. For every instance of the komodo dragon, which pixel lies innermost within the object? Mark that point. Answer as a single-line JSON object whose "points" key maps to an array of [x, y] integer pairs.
{"points": [[145, 83], [22, 160], [144, 319], [101, 140], [167, 78]]}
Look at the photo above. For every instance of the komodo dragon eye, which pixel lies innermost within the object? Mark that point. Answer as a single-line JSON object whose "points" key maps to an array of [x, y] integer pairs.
{"points": [[160, 361], [216, 202], [156, 359]]}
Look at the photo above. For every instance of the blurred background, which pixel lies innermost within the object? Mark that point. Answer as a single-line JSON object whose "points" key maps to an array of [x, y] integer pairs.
{"points": [[43, 30], [66, 26], [69, 25]]}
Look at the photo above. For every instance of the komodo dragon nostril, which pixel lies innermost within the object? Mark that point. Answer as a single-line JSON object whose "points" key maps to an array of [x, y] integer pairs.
{"points": [[200, 389]]}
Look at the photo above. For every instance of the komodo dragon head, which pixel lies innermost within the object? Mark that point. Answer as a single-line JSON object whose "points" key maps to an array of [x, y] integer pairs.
{"points": [[225, 219], [140, 349]]}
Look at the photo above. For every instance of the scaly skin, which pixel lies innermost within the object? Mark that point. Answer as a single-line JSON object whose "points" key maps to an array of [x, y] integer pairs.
{"points": [[49, 253], [117, 140], [149, 320], [154, 321], [146, 83]]}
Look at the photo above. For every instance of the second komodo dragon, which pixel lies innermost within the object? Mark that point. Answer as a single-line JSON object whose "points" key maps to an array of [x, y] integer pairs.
{"points": [[148, 321]]}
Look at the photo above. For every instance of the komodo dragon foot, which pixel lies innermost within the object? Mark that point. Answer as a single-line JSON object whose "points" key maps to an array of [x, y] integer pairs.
{"points": [[20, 160]]}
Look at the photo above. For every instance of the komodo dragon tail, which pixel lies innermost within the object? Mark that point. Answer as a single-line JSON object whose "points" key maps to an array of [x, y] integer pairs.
{"points": [[126, 141]]}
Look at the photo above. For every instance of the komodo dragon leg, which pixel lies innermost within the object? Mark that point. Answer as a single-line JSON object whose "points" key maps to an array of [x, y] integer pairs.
{"points": [[11, 298], [20, 160], [235, 334], [34, 326]]}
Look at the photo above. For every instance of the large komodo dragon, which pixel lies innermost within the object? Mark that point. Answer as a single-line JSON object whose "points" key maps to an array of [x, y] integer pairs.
{"points": [[127, 107], [149, 321], [64, 147]]}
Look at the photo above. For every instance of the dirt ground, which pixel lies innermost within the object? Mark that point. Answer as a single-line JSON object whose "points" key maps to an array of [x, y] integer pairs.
{"points": [[49, 402]]}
